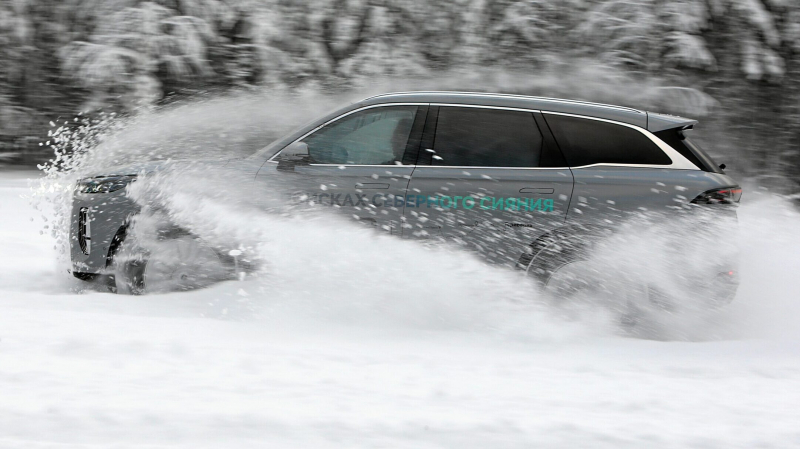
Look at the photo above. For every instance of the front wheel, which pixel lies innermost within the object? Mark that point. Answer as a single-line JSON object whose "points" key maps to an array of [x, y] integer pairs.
{"points": [[178, 264]]}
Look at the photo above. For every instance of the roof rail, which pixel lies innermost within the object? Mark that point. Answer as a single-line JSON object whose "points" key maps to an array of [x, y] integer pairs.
{"points": [[490, 94]]}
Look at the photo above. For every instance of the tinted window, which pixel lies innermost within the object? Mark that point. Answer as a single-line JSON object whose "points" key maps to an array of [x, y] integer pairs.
{"points": [[586, 142], [376, 136], [486, 138]]}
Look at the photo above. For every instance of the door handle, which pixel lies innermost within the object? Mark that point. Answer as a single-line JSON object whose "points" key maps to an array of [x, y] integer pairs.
{"points": [[537, 190], [371, 185]]}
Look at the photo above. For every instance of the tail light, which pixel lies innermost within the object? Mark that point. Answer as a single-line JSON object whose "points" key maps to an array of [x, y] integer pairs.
{"points": [[725, 195]]}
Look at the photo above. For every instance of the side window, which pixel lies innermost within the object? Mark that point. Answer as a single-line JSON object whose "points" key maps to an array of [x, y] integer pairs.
{"points": [[375, 136], [586, 142], [486, 138], [688, 149]]}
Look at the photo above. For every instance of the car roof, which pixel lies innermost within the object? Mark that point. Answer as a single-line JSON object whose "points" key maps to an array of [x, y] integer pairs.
{"points": [[636, 117]]}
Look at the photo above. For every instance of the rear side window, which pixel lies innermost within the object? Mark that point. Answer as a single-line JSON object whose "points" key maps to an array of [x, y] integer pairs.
{"points": [[480, 137], [688, 149], [586, 142]]}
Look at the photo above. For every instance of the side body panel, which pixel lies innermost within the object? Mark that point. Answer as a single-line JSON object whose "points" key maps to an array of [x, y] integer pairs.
{"points": [[498, 211], [606, 192], [372, 194]]}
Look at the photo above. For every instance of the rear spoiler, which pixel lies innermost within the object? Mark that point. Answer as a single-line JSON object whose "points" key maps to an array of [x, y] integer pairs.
{"points": [[661, 122]]}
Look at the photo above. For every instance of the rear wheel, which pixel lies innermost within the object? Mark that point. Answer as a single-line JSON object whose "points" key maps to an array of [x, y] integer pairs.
{"points": [[178, 264], [557, 253], [562, 265]]}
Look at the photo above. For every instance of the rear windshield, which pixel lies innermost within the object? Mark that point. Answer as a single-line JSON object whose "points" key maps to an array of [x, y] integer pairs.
{"points": [[688, 149]]}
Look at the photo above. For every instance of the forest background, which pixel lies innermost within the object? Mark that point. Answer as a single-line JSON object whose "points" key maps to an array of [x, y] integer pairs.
{"points": [[732, 64]]}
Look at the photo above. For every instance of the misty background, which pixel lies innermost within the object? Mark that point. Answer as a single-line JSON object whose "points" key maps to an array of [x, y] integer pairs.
{"points": [[732, 64]]}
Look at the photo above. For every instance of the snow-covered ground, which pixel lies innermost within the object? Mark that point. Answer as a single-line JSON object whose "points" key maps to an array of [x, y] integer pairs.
{"points": [[430, 362]]}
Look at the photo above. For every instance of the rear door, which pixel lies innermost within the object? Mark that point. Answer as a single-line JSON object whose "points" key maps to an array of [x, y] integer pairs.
{"points": [[488, 177]]}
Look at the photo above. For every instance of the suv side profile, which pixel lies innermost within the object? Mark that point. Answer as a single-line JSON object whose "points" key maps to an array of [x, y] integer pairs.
{"points": [[514, 177]]}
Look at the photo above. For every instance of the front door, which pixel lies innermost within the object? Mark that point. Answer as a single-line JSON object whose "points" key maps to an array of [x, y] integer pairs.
{"points": [[490, 179], [356, 163]]}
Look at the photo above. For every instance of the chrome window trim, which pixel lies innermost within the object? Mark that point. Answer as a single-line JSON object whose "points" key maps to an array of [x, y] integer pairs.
{"points": [[482, 167], [344, 166], [678, 161], [335, 119]]}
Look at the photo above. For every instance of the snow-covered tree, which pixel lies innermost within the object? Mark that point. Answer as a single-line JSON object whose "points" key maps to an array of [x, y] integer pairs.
{"points": [[133, 49], [390, 48], [15, 40]]}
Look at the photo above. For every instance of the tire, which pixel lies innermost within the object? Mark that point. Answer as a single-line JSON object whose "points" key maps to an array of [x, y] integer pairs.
{"points": [[176, 264], [129, 277], [562, 266], [553, 252]]}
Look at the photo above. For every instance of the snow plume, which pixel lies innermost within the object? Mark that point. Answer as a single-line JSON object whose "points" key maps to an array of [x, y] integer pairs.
{"points": [[321, 268], [443, 361], [231, 125], [678, 257], [318, 268], [206, 128], [666, 276], [215, 126], [768, 301]]}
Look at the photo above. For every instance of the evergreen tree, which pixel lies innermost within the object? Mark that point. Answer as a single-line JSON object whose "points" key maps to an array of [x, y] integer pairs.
{"points": [[128, 54]]}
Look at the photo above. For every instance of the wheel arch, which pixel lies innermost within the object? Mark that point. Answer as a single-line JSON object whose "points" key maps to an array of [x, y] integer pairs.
{"points": [[116, 242], [588, 233]]}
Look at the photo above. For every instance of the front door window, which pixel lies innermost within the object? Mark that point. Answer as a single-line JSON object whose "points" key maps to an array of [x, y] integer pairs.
{"points": [[376, 136]]}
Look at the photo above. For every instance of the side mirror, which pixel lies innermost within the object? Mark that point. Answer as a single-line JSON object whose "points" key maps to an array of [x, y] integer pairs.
{"points": [[293, 155]]}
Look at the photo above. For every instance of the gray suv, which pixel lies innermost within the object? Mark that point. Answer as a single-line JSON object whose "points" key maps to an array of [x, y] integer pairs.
{"points": [[528, 182]]}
